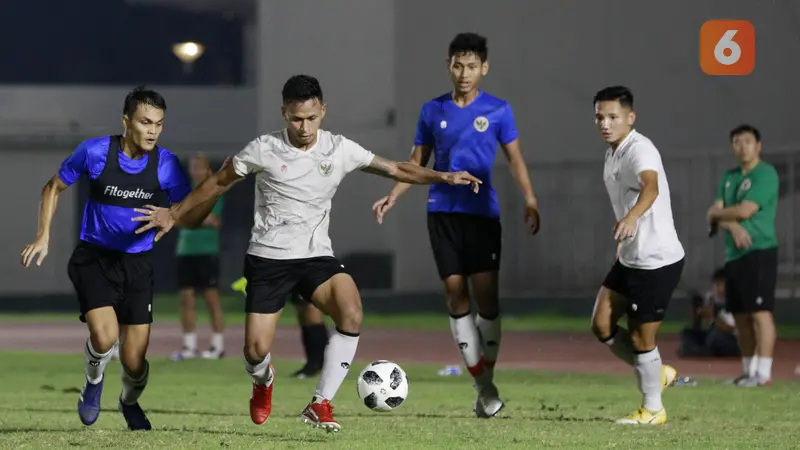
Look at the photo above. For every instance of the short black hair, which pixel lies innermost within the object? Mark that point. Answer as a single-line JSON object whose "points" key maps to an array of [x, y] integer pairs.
{"points": [[469, 43], [141, 95], [745, 128], [300, 88], [719, 274], [619, 93]]}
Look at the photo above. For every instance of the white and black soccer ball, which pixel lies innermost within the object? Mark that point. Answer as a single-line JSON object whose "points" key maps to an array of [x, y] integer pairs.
{"points": [[382, 386]]}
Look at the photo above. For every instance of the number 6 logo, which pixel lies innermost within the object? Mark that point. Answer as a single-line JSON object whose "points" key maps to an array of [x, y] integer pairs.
{"points": [[727, 47]]}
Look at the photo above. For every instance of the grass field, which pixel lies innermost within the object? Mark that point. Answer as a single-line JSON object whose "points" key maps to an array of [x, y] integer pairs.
{"points": [[204, 404]]}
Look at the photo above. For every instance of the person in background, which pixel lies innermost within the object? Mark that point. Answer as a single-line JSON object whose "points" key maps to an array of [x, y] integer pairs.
{"points": [[713, 329], [198, 270]]}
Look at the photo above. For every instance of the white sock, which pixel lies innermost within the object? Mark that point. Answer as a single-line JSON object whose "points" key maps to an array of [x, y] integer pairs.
{"points": [[763, 368], [94, 363], [648, 374], [490, 332], [339, 355], [621, 345], [260, 372], [132, 388], [218, 342], [190, 341], [465, 333], [749, 366]]}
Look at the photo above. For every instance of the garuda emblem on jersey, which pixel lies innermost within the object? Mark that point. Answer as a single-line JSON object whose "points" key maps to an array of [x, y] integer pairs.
{"points": [[481, 123], [326, 167]]}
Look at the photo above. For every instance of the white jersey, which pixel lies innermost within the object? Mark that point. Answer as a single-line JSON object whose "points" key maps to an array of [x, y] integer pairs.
{"points": [[655, 243], [293, 191]]}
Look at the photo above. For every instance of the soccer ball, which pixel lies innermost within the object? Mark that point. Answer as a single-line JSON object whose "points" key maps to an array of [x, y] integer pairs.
{"points": [[382, 386]]}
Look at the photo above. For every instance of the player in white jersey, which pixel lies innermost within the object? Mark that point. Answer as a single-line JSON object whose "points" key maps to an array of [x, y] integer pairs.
{"points": [[649, 254], [298, 170]]}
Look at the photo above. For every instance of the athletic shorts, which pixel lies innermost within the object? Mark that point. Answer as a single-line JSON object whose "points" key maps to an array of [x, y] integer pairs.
{"points": [[271, 282], [750, 282], [648, 292], [198, 271], [103, 277], [464, 244]]}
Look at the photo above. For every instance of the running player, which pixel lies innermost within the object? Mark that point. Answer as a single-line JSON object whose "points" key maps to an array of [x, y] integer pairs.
{"points": [[298, 170], [746, 204], [462, 130], [198, 269], [649, 254], [111, 267]]}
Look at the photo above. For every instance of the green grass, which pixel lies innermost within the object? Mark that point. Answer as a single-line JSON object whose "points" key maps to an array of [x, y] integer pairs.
{"points": [[204, 404]]}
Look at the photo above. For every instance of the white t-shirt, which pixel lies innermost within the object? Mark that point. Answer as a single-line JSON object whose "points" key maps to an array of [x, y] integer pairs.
{"points": [[655, 243], [293, 191]]}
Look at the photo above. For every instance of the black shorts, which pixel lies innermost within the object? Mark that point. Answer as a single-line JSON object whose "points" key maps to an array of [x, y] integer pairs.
{"points": [[124, 281], [464, 244], [270, 282], [648, 292], [750, 282], [198, 271]]}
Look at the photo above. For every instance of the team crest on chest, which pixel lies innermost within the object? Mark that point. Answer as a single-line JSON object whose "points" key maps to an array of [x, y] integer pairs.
{"points": [[326, 167], [481, 123], [744, 185]]}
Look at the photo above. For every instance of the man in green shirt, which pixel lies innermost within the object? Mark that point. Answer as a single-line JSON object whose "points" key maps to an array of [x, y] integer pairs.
{"points": [[198, 270], [745, 207]]}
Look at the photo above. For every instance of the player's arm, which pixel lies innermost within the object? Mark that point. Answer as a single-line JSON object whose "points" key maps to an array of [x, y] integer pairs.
{"points": [[647, 195], [47, 206], [742, 211], [519, 170], [406, 172], [71, 170], [193, 210], [763, 191], [420, 156]]}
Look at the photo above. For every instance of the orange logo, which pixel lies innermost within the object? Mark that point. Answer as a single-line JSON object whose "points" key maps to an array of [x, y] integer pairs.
{"points": [[727, 47]]}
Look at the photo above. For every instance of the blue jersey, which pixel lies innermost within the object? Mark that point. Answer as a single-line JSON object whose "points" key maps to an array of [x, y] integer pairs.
{"points": [[465, 139], [117, 185]]}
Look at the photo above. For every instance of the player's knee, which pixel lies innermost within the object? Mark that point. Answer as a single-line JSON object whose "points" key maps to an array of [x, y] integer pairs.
{"points": [[601, 329], [255, 350], [351, 317], [103, 339], [133, 362]]}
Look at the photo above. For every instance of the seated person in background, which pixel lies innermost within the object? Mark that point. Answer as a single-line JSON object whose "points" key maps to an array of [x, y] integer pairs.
{"points": [[712, 332]]}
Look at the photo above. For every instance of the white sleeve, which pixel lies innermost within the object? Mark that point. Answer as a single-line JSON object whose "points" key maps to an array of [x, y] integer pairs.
{"points": [[355, 156], [248, 160], [645, 157]]}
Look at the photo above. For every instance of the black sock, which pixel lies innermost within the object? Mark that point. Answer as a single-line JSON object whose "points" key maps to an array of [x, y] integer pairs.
{"points": [[317, 341]]}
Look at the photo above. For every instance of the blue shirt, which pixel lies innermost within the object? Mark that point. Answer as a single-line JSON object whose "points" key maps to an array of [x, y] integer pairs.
{"points": [[109, 226], [465, 139]]}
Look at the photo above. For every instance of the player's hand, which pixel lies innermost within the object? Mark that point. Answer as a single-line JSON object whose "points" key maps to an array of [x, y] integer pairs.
{"points": [[625, 228], [37, 247], [740, 236], [382, 206], [155, 217], [531, 216], [463, 177]]}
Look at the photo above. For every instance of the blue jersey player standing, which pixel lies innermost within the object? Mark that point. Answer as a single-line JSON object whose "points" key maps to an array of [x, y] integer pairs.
{"points": [[462, 129], [111, 268]]}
